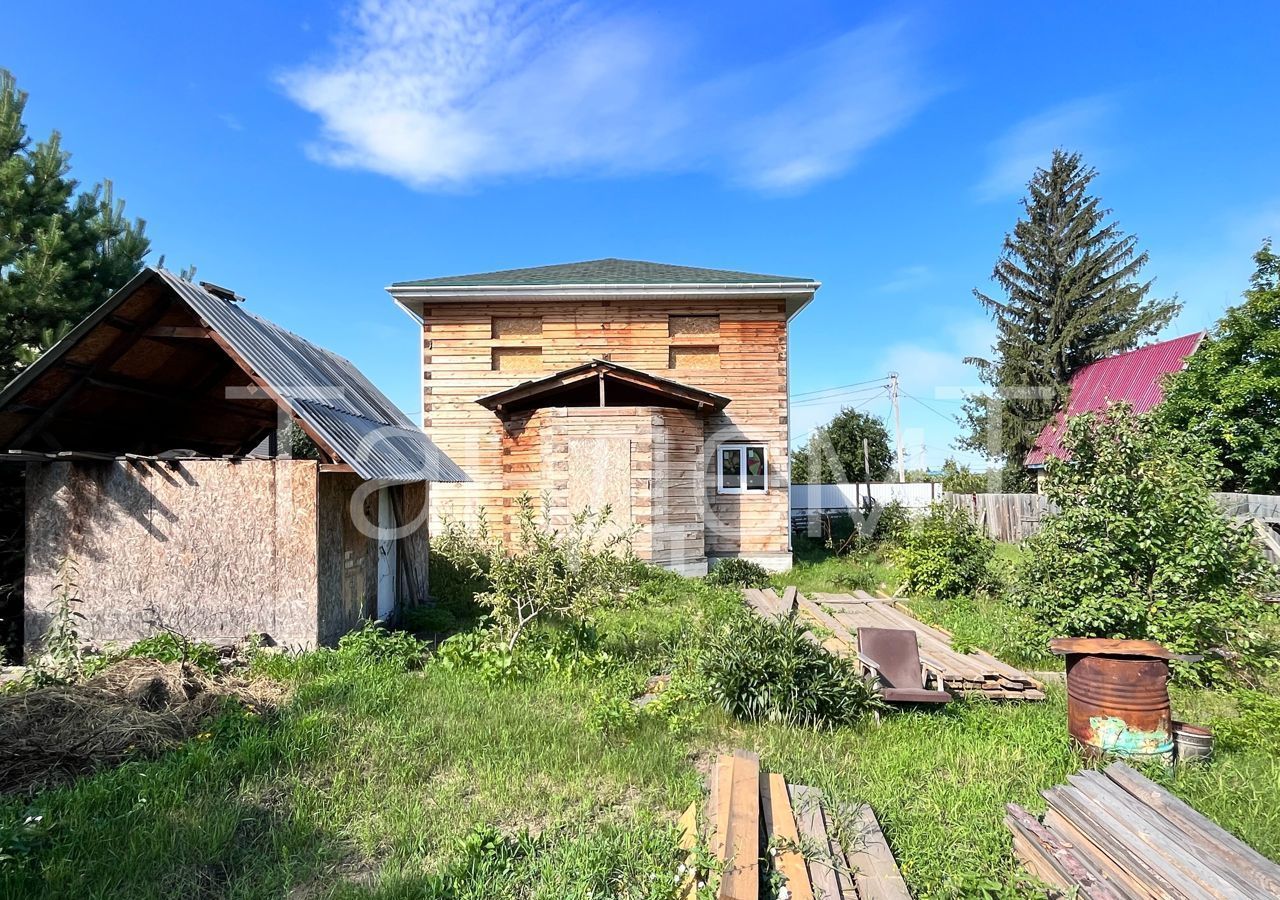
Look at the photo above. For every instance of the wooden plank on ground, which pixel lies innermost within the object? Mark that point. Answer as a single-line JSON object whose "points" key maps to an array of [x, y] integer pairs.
{"points": [[875, 871], [1097, 830], [688, 826], [1055, 861], [807, 803], [740, 879], [1164, 839], [1264, 872], [789, 600], [780, 826]]}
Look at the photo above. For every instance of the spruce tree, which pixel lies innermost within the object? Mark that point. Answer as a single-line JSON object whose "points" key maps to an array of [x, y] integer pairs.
{"points": [[1072, 295]]}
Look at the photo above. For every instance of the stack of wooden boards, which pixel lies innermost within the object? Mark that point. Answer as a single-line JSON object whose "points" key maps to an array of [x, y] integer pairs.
{"points": [[839, 616], [755, 821], [1115, 835]]}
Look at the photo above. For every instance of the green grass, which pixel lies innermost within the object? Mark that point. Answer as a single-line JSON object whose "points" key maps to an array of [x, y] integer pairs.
{"points": [[379, 783]]}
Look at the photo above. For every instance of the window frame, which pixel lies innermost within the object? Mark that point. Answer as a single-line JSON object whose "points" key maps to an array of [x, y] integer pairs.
{"points": [[741, 447]]}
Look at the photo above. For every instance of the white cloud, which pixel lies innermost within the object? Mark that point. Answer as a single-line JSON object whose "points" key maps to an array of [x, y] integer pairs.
{"points": [[908, 278], [445, 94], [1016, 155]]}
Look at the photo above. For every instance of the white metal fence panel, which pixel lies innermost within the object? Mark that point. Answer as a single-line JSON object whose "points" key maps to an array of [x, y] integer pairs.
{"points": [[807, 498]]}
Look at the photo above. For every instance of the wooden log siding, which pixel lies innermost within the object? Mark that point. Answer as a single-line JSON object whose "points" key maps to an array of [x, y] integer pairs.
{"points": [[751, 337]]}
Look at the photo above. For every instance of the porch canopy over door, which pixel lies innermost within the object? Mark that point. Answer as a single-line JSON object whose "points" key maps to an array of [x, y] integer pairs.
{"points": [[602, 383]]}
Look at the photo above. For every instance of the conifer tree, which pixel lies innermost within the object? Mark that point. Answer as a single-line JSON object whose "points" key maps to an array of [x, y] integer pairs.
{"points": [[1072, 295]]}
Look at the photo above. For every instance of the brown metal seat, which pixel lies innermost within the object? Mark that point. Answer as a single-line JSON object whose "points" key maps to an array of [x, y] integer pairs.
{"points": [[892, 655]]}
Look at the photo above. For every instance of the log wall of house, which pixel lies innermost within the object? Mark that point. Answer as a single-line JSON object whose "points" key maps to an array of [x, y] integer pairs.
{"points": [[464, 353], [210, 548]]}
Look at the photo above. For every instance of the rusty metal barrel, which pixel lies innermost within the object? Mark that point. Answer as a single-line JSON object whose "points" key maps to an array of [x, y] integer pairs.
{"points": [[1118, 696]]}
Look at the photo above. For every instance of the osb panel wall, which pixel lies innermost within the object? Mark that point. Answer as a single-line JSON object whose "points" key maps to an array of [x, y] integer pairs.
{"points": [[348, 572], [210, 548], [751, 338], [644, 461]]}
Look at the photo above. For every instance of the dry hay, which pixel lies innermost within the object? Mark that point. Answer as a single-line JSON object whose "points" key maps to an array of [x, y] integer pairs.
{"points": [[136, 708]]}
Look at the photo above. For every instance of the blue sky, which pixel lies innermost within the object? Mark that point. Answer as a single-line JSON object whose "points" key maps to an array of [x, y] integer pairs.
{"points": [[307, 154]]}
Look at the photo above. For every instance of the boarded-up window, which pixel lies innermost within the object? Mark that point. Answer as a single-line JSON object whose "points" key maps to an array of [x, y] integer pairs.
{"points": [[516, 326], [690, 326], [517, 359], [694, 358]]}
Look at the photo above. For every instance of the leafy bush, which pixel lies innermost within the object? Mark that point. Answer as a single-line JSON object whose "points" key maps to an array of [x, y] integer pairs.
{"points": [[375, 645], [734, 572], [767, 671], [943, 554], [434, 620], [1257, 727], [892, 525], [457, 569], [555, 574], [1141, 550], [169, 647]]}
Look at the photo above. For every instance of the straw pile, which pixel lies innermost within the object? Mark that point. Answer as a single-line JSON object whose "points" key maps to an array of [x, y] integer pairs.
{"points": [[135, 708]]}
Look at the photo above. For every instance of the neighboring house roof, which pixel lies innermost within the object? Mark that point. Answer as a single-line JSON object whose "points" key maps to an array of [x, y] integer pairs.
{"points": [[627, 278], [606, 271], [347, 416], [586, 384], [1135, 378]]}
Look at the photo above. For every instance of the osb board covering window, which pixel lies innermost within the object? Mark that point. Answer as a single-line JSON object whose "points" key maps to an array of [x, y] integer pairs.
{"points": [[516, 326], [686, 326], [599, 476], [517, 359], [694, 358]]}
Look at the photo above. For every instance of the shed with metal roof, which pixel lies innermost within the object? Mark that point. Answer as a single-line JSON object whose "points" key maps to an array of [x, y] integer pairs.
{"points": [[209, 472]]}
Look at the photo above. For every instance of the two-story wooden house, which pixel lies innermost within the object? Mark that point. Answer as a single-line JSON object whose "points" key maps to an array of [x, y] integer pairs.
{"points": [[659, 390]]}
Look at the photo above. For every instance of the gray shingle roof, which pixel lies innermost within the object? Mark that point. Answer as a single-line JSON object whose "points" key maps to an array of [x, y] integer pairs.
{"points": [[602, 272]]}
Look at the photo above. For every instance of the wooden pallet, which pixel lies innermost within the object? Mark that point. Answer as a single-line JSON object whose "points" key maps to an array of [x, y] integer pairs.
{"points": [[1115, 835], [839, 616], [756, 823]]}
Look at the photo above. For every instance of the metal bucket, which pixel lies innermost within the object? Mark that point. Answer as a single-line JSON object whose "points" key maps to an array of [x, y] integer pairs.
{"points": [[1118, 697], [1192, 743]]}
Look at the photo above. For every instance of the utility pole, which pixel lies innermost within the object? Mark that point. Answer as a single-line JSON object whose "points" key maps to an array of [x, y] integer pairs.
{"points": [[897, 425]]}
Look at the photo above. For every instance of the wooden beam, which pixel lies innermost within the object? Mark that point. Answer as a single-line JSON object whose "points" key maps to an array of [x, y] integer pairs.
{"points": [[177, 331], [141, 389], [116, 349], [340, 468]]}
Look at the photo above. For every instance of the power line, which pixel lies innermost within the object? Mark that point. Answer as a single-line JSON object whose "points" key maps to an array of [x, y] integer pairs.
{"points": [[931, 409], [849, 395], [801, 437], [839, 387]]}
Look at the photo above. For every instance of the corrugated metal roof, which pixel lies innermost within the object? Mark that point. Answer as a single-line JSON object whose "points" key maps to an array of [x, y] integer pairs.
{"points": [[325, 391], [1134, 378], [606, 271]]}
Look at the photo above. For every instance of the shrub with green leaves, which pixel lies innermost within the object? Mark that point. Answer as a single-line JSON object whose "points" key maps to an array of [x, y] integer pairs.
{"points": [[763, 670], [944, 554], [168, 647], [555, 574], [1140, 549], [373, 644], [734, 572]]}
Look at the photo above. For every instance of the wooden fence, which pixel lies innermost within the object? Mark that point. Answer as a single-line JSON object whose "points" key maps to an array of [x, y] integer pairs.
{"points": [[1015, 517]]}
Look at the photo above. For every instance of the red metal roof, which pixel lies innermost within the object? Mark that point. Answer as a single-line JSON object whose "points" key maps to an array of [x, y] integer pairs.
{"points": [[1134, 378]]}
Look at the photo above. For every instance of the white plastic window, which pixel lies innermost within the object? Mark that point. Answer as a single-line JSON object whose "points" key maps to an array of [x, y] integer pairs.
{"points": [[742, 469]]}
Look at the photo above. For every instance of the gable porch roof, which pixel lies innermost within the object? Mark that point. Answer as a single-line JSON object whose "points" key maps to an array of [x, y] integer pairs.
{"points": [[638, 384]]}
